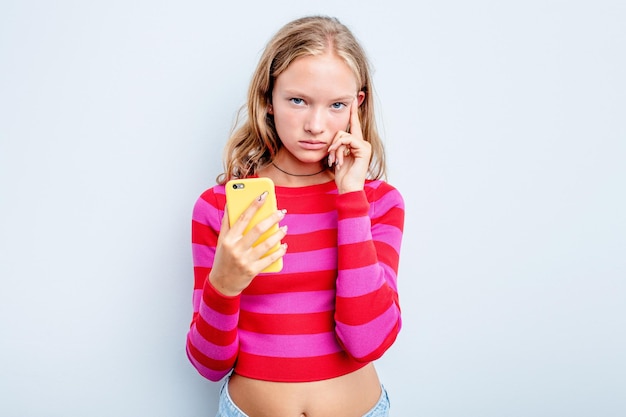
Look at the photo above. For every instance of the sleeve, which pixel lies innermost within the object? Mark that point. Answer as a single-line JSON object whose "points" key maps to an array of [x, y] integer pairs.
{"points": [[369, 235], [212, 341]]}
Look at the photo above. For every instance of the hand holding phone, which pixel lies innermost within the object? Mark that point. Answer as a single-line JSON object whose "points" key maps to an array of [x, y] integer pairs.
{"points": [[239, 195]]}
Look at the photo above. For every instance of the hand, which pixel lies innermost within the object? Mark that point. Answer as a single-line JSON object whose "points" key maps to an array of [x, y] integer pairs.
{"points": [[237, 261], [351, 154]]}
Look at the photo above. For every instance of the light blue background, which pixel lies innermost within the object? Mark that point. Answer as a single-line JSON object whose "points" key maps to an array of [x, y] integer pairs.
{"points": [[505, 127]]}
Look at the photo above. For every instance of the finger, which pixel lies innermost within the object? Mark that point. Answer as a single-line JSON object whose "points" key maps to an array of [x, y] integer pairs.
{"points": [[336, 150], [262, 227], [244, 220], [225, 227], [355, 122], [342, 152], [272, 257], [271, 243]]}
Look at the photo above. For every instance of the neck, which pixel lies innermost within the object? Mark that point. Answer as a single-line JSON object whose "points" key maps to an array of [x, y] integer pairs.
{"points": [[286, 180], [293, 174]]}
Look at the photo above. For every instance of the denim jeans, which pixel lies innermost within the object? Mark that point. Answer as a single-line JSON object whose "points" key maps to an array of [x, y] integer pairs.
{"points": [[227, 408]]}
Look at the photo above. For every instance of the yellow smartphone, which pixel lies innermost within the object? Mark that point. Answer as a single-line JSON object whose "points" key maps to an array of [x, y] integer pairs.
{"points": [[240, 194]]}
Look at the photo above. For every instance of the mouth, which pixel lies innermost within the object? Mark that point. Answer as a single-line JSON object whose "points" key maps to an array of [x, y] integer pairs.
{"points": [[313, 145]]}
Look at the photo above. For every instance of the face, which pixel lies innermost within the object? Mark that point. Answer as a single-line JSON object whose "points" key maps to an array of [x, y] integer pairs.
{"points": [[311, 103]]}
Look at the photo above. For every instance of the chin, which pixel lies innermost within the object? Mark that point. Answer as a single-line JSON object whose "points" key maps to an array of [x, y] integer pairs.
{"points": [[314, 160]]}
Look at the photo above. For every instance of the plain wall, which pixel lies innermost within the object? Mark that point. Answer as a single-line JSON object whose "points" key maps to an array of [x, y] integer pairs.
{"points": [[504, 124]]}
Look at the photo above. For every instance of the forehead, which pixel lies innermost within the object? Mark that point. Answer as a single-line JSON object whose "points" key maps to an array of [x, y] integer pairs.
{"points": [[323, 74]]}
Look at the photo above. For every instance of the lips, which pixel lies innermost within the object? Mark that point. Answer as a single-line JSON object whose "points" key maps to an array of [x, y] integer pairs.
{"points": [[313, 145]]}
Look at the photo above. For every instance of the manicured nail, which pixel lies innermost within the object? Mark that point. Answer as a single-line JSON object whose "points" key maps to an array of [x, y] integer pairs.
{"points": [[262, 196]]}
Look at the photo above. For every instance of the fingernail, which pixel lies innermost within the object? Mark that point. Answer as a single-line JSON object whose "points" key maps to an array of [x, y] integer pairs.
{"points": [[282, 213], [262, 196]]}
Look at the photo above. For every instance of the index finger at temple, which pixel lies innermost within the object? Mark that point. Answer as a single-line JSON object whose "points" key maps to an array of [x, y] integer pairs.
{"points": [[355, 122]]}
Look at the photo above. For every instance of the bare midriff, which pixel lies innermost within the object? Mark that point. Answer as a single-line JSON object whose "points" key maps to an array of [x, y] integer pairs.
{"points": [[351, 395]]}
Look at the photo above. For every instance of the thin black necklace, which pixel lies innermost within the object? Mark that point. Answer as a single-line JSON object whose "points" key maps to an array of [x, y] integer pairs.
{"points": [[297, 175]]}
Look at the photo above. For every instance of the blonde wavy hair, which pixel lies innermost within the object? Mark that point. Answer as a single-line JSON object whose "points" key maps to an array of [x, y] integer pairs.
{"points": [[254, 141]]}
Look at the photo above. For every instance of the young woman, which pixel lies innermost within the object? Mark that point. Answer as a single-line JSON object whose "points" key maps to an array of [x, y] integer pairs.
{"points": [[301, 342]]}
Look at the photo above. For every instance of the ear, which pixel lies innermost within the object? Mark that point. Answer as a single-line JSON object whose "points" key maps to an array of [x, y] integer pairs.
{"points": [[361, 97], [270, 109]]}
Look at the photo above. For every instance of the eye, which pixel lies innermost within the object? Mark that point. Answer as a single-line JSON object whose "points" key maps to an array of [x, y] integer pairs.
{"points": [[338, 106], [297, 101]]}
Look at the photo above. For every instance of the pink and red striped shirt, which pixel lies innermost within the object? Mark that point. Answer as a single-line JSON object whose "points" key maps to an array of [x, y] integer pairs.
{"points": [[330, 311]]}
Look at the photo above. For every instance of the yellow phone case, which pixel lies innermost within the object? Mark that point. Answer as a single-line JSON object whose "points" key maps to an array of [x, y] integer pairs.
{"points": [[240, 194]]}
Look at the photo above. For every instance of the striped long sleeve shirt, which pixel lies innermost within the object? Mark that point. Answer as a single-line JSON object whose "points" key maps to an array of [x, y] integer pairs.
{"points": [[331, 310]]}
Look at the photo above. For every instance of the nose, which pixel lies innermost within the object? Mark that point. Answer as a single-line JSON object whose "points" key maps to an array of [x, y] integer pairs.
{"points": [[314, 123]]}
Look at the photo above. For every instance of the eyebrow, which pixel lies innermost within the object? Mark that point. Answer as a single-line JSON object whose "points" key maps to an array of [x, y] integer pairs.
{"points": [[294, 93], [345, 98]]}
